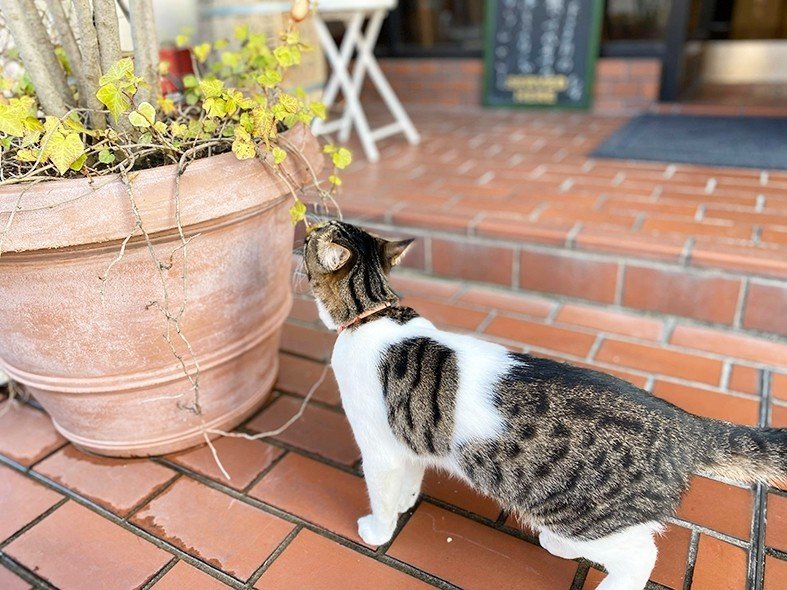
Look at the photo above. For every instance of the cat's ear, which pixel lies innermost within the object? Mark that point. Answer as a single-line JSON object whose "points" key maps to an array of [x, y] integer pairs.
{"points": [[394, 251], [332, 256]]}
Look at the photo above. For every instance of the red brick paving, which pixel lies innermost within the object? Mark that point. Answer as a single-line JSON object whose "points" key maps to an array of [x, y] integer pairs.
{"points": [[306, 490], [213, 526], [76, 549]]}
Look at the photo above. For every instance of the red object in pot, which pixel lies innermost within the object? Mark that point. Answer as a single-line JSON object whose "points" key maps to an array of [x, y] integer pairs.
{"points": [[180, 65]]}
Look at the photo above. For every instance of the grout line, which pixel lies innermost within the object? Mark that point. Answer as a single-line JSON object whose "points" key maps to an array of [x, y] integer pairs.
{"points": [[741, 303], [152, 496], [258, 478], [620, 283], [580, 576], [254, 578], [691, 560], [130, 527], [755, 573], [486, 321], [27, 575], [161, 573], [7, 541]]}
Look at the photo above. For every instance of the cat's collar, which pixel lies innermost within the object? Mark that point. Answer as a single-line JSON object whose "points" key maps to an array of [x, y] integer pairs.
{"points": [[364, 315]]}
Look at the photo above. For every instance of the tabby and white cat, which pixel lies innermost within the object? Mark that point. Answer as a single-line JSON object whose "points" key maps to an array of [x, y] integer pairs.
{"points": [[591, 462]]}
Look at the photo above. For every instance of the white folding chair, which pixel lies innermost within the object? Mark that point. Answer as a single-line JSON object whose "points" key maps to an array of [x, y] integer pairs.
{"points": [[356, 41]]}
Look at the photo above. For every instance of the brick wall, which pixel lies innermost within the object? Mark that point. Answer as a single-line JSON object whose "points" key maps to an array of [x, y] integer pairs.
{"points": [[623, 86]]}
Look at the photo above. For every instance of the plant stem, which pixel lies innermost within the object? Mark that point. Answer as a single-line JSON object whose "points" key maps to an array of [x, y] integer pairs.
{"points": [[87, 92], [88, 39], [38, 55], [143, 33], [106, 18]]}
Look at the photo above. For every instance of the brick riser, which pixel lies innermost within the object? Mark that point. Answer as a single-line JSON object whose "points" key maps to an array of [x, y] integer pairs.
{"points": [[742, 301]]}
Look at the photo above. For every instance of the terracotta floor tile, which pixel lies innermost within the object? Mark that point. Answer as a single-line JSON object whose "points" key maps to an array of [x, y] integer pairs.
{"points": [[10, 581], [731, 344], [673, 548], [779, 386], [451, 317], [776, 528], [422, 287], [593, 579], [543, 336], [28, 435], [330, 566], [718, 506], [660, 360], [298, 375], [719, 566], [471, 555], [457, 493], [502, 300], [712, 404], [230, 535], [311, 342], [465, 260], [184, 576], [76, 549], [304, 310], [243, 459], [324, 432], [21, 500], [320, 494], [775, 573], [745, 379], [610, 321], [116, 484]]}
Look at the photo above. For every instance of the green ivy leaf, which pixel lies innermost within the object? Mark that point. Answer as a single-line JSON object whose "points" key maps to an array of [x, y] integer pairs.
{"points": [[116, 101], [290, 103], [318, 110], [144, 116], [342, 158], [78, 163], [64, 150], [201, 52], [243, 146], [211, 88], [335, 180], [287, 56], [297, 212], [269, 78], [120, 70], [106, 157], [279, 155]]}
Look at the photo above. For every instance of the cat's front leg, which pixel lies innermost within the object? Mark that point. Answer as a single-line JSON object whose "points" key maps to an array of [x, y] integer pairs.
{"points": [[384, 478], [411, 486]]}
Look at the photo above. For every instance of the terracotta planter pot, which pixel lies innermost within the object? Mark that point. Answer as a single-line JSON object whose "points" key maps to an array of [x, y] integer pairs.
{"points": [[102, 369]]}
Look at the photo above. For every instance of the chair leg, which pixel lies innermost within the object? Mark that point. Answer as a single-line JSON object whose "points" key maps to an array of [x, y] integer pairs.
{"points": [[351, 94], [367, 60]]}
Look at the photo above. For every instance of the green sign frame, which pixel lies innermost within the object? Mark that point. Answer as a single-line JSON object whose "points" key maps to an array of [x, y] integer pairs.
{"points": [[590, 65]]}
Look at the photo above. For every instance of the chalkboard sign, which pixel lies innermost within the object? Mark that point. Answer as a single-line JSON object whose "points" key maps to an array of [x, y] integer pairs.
{"points": [[541, 53]]}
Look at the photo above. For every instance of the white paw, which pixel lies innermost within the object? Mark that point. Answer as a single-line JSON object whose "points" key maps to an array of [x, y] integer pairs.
{"points": [[406, 501], [373, 531]]}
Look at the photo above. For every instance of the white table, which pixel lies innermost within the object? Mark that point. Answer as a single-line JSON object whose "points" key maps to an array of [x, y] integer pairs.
{"points": [[358, 41]]}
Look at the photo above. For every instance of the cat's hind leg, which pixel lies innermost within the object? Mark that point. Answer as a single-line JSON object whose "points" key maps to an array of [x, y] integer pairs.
{"points": [[628, 555]]}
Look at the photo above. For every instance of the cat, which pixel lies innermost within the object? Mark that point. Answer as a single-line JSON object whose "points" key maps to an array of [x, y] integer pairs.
{"points": [[589, 461]]}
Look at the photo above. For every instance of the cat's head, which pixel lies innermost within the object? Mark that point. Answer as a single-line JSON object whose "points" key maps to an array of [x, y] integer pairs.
{"points": [[348, 269]]}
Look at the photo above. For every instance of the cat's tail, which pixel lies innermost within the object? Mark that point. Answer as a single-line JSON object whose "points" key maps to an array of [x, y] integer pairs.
{"points": [[744, 453]]}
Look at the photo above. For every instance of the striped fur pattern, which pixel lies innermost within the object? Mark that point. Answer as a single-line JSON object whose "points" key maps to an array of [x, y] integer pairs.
{"points": [[591, 462], [419, 380]]}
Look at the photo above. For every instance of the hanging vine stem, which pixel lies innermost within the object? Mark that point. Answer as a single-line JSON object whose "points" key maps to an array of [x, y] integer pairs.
{"points": [[165, 306], [295, 417], [323, 193]]}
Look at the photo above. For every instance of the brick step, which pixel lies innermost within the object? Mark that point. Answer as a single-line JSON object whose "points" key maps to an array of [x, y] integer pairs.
{"points": [[642, 279], [706, 370]]}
